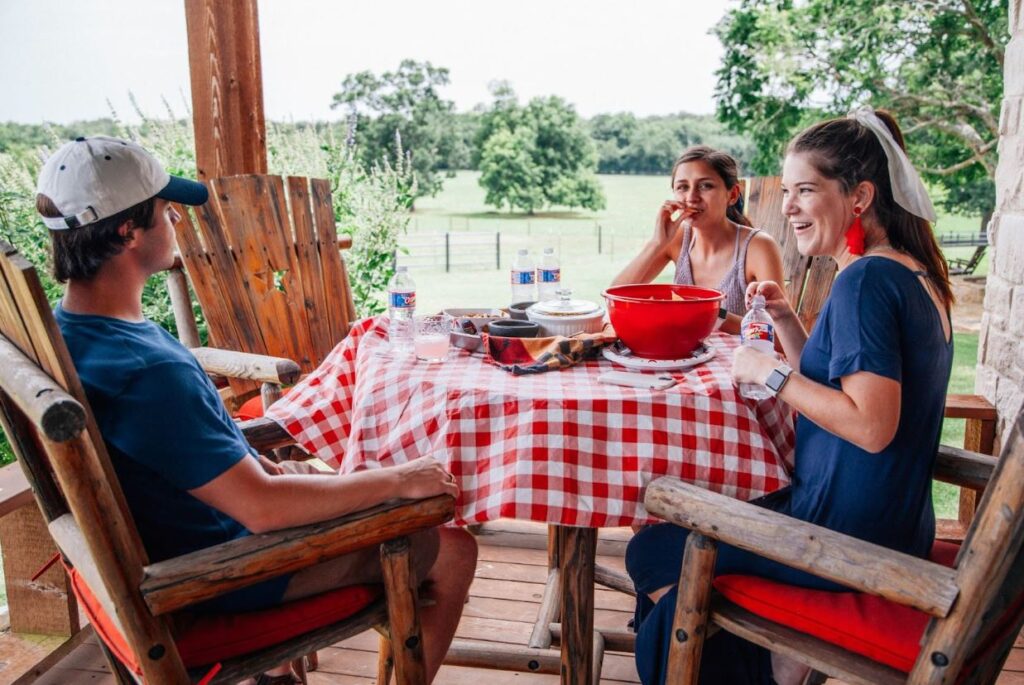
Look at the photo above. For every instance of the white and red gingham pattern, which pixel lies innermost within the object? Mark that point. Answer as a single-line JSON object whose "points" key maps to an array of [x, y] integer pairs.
{"points": [[557, 447]]}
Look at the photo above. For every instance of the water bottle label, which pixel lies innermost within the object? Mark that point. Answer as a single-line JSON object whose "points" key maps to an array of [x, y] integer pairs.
{"points": [[399, 300], [550, 275], [522, 277], [759, 330]]}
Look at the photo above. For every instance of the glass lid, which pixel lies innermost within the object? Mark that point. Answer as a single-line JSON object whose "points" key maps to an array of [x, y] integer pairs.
{"points": [[566, 306]]}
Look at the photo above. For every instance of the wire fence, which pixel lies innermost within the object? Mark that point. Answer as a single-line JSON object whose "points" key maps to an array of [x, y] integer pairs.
{"points": [[466, 247]]}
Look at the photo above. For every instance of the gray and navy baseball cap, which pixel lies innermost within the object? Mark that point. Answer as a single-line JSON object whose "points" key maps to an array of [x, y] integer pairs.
{"points": [[90, 179]]}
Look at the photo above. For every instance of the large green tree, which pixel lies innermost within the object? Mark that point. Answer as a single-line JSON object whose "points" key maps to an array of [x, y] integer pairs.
{"points": [[937, 65], [535, 156], [406, 101]]}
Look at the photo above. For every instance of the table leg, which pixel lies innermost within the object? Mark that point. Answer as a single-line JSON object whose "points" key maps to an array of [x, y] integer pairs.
{"points": [[540, 638], [576, 555]]}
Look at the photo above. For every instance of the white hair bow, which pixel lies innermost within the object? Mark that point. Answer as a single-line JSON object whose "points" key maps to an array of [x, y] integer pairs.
{"points": [[907, 188]]}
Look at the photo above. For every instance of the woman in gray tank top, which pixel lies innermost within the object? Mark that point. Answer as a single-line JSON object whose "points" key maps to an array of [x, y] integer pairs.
{"points": [[703, 231]]}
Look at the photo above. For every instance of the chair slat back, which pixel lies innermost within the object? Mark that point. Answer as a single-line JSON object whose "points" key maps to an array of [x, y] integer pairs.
{"points": [[989, 612], [44, 411], [263, 258], [808, 279]]}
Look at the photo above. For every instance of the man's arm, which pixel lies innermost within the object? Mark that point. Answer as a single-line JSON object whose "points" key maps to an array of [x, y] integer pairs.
{"points": [[262, 502]]}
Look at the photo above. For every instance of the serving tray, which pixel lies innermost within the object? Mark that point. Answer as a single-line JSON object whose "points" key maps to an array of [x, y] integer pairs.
{"points": [[623, 356]]}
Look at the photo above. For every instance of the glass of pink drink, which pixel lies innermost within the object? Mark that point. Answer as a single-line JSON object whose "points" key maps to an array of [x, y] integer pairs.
{"points": [[432, 337]]}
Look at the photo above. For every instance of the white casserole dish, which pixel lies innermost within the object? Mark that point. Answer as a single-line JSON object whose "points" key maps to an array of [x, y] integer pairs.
{"points": [[566, 316]]}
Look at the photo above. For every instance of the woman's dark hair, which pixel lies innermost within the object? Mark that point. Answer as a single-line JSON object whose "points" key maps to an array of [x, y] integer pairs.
{"points": [[849, 152], [726, 168], [78, 253]]}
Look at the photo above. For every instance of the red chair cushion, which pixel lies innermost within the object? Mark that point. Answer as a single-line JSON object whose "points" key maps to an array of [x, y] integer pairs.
{"points": [[867, 625], [211, 638], [252, 408]]}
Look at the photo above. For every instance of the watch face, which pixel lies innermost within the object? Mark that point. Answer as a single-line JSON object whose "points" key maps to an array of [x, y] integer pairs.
{"points": [[776, 379]]}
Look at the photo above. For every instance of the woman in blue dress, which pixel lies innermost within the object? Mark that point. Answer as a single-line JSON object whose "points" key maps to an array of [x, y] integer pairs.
{"points": [[868, 383]]}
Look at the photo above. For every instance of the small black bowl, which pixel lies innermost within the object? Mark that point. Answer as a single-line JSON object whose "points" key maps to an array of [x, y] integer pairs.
{"points": [[517, 310], [512, 328]]}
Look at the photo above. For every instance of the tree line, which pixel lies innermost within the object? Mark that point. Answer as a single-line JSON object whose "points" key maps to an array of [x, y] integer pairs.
{"points": [[531, 155]]}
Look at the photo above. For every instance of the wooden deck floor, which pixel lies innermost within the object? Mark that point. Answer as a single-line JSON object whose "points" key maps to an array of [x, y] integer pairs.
{"points": [[503, 604]]}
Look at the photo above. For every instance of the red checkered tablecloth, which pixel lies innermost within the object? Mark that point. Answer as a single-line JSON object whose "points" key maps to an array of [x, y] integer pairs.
{"points": [[558, 447]]}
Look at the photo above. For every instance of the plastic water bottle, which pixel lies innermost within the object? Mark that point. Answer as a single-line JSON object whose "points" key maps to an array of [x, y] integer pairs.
{"points": [[522, 278], [757, 331], [401, 308], [549, 276]]}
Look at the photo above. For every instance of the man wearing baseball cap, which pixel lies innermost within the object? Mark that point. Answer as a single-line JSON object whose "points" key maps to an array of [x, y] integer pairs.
{"points": [[190, 478]]}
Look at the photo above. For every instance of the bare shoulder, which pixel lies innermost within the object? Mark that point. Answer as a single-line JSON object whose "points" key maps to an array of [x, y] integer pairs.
{"points": [[764, 242], [764, 259]]}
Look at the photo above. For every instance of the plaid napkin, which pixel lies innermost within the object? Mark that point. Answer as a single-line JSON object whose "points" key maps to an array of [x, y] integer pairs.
{"points": [[523, 356]]}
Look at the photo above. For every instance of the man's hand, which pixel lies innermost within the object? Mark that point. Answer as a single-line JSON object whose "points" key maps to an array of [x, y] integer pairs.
{"points": [[270, 467], [424, 477]]}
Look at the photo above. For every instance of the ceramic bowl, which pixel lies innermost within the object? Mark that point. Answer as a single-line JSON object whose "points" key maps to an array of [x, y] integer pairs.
{"points": [[517, 310], [467, 341], [513, 328]]}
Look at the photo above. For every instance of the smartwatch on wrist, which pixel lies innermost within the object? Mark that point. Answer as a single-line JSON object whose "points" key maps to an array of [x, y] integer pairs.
{"points": [[777, 378], [723, 314]]}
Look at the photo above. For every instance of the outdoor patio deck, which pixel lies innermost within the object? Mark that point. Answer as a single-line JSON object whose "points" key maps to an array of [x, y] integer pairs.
{"points": [[503, 603]]}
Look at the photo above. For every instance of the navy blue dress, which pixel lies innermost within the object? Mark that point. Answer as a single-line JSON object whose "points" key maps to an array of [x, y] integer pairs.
{"points": [[879, 318]]}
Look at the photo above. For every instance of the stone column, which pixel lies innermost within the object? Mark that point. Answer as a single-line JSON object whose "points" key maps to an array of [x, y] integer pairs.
{"points": [[1000, 375]]}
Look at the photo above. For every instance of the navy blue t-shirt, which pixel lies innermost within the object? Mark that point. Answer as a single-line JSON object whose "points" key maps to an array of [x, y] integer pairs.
{"points": [[167, 432], [879, 318]]}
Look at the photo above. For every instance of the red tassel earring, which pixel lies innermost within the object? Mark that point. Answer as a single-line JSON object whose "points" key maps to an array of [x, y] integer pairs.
{"points": [[855, 234]]}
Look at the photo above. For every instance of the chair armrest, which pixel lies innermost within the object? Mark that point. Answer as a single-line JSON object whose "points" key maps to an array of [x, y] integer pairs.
{"points": [[263, 434], [254, 367], [825, 553], [969, 407], [964, 468], [182, 581]]}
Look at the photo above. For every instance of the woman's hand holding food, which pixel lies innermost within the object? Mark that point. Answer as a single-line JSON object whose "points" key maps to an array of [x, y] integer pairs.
{"points": [[665, 227]]}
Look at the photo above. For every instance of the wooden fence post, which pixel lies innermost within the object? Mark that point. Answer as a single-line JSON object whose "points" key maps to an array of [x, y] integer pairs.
{"points": [[447, 252], [497, 250]]}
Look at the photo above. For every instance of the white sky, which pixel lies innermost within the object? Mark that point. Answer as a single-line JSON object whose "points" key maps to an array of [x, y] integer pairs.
{"points": [[61, 60]]}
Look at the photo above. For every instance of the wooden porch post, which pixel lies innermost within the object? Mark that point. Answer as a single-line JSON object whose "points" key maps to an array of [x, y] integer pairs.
{"points": [[227, 87]]}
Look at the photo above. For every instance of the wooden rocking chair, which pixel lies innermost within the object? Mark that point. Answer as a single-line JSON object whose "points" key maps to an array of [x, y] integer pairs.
{"points": [[264, 262], [137, 607], [966, 612]]}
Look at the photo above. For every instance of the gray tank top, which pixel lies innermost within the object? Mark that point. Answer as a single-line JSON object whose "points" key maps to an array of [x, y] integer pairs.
{"points": [[734, 284]]}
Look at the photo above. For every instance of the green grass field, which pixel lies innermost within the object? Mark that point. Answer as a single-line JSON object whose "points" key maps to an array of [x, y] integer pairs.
{"points": [[626, 223]]}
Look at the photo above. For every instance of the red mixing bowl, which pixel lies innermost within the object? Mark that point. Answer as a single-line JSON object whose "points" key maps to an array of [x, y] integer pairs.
{"points": [[656, 326]]}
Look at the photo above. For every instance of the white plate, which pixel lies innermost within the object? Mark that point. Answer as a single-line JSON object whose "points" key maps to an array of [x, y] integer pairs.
{"points": [[621, 355]]}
